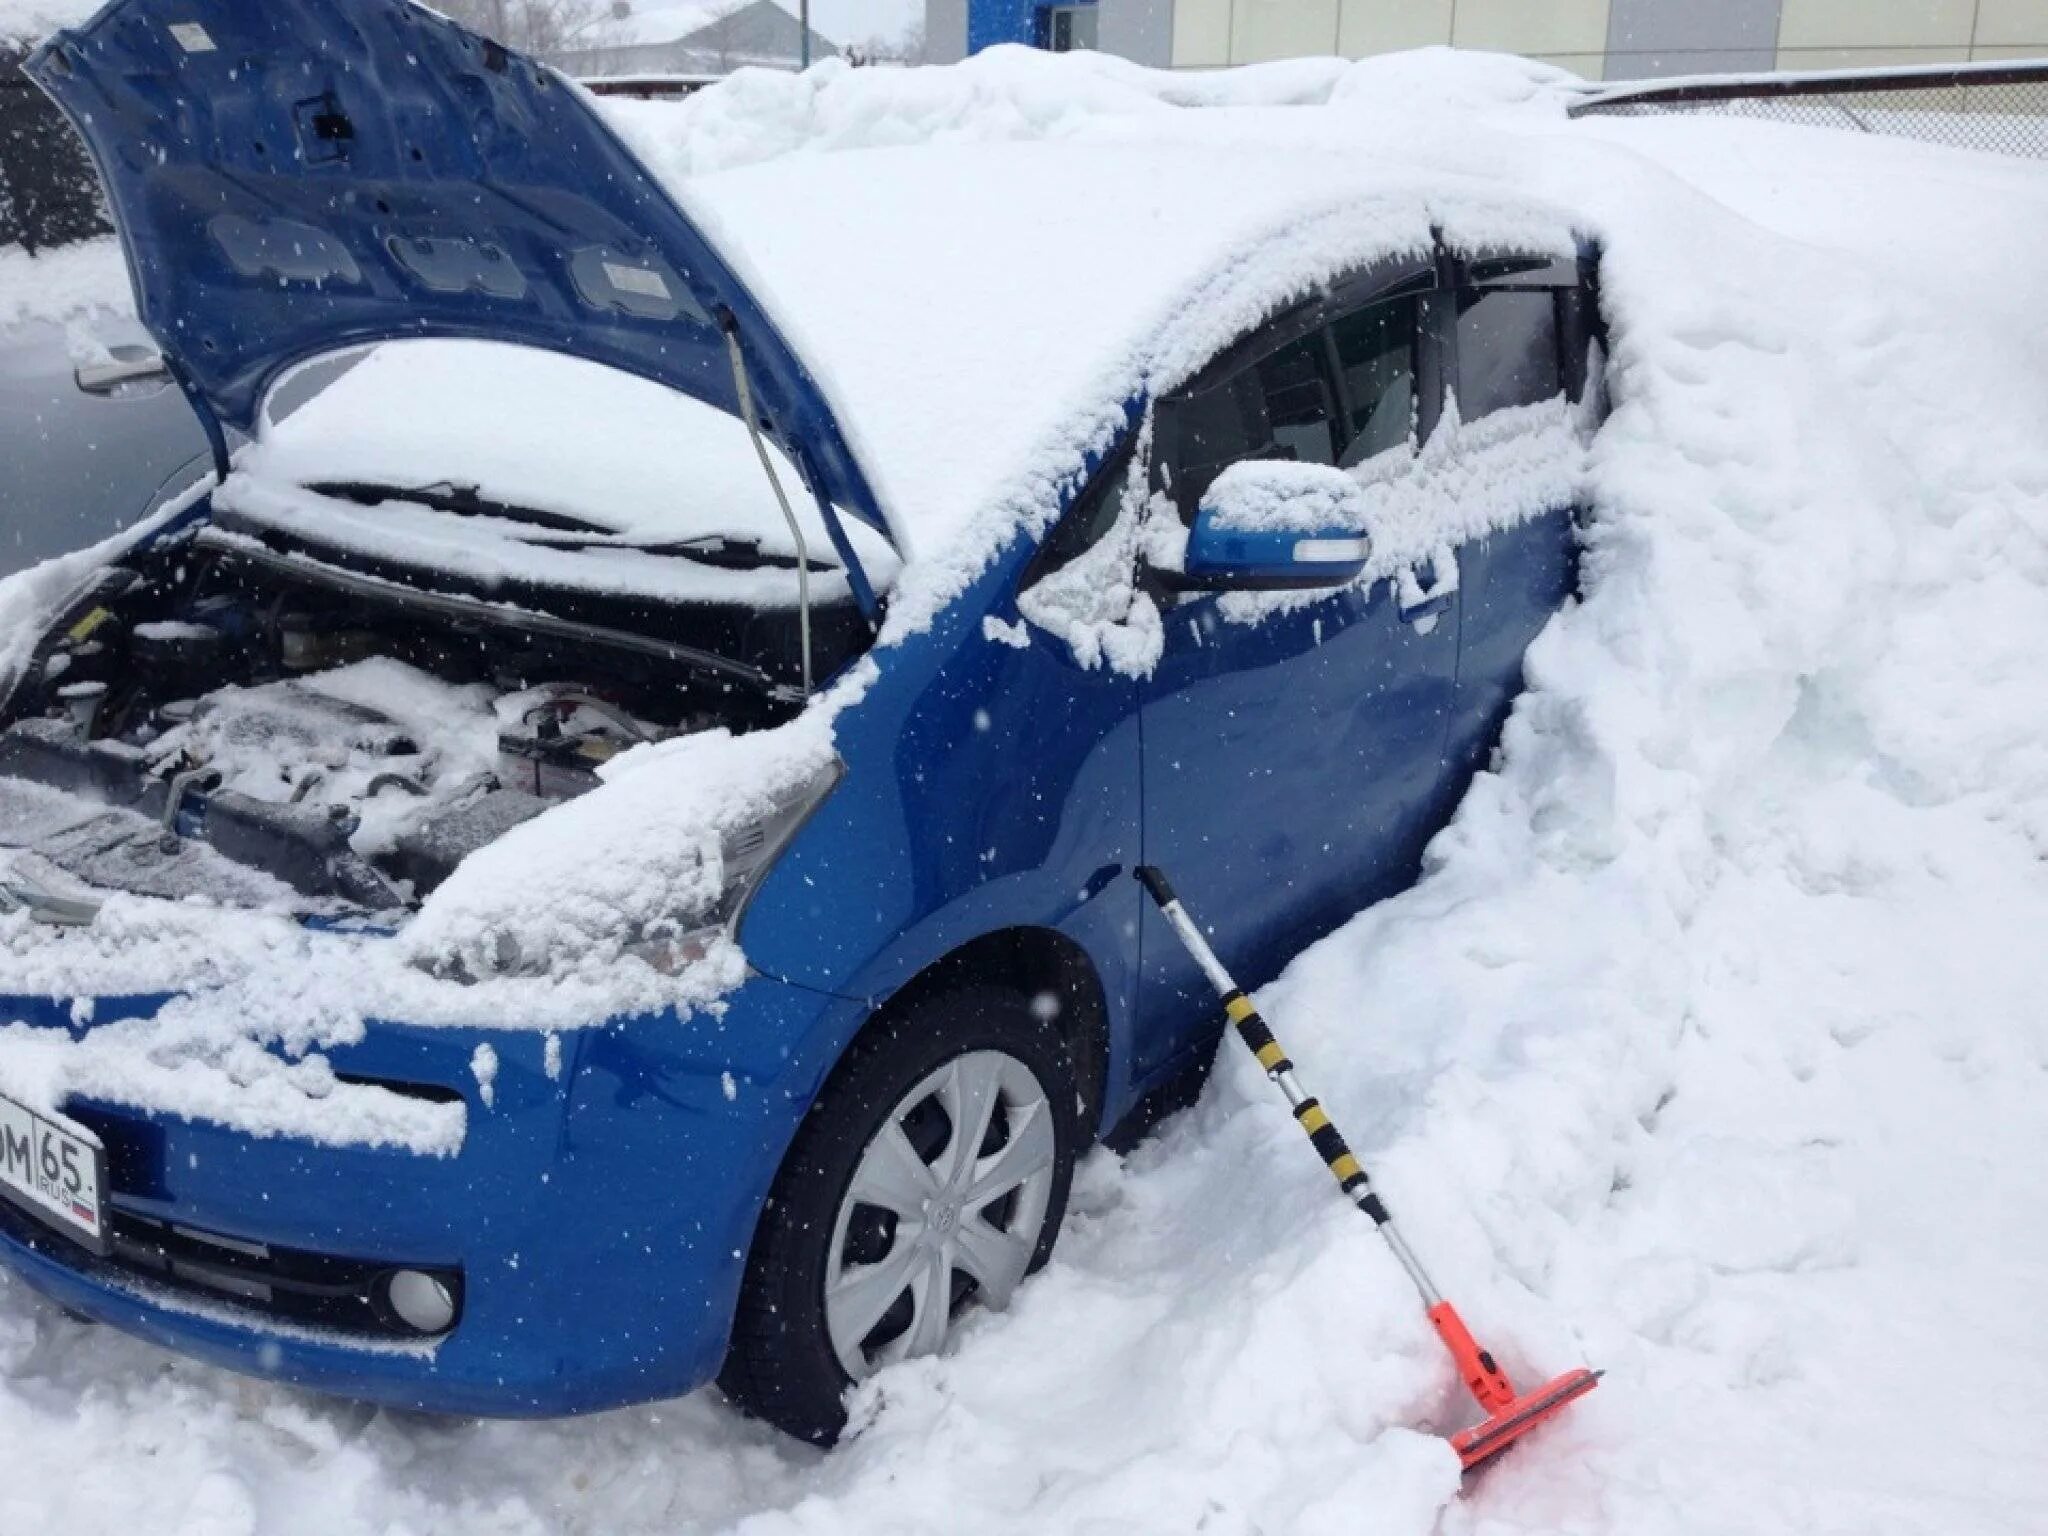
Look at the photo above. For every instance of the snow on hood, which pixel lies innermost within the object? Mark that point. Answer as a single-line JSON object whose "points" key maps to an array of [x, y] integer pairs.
{"points": [[572, 891]]}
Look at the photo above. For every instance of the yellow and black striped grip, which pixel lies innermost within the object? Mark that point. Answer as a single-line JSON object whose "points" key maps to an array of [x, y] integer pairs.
{"points": [[1337, 1156], [1328, 1141], [1257, 1037]]}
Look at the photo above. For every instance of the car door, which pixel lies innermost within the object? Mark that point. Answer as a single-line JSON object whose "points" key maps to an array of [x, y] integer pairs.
{"points": [[1521, 339], [1292, 743]]}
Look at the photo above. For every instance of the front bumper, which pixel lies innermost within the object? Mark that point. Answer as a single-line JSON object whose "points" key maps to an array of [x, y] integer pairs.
{"points": [[599, 1211]]}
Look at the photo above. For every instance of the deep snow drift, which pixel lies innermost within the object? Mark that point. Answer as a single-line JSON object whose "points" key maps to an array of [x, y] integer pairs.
{"points": [[1710, 1050]]}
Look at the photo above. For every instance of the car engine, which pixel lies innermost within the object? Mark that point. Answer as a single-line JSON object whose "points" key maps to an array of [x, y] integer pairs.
{"points": [[221, 722]]}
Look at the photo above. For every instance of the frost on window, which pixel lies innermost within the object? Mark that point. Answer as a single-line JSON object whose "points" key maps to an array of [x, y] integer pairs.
{"points": [[1092, 601]]}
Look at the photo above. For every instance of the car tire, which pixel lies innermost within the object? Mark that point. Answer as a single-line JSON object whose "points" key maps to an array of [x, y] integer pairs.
{"points": [[896, 1091]]}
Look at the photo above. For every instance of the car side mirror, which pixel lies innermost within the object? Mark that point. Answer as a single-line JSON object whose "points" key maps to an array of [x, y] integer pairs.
{"points": [[1273, 525]]}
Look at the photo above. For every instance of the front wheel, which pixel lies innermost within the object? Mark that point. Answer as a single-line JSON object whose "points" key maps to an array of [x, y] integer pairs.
{"points": [[930, 1174]]}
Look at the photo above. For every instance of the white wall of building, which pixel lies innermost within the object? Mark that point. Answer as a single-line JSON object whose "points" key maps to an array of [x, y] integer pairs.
{"points": [[1602, 38], [945, 31]]}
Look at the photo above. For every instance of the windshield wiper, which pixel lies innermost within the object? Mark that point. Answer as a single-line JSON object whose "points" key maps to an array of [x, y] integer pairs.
{"points": [[303, 570], [461, 500], [717, 549]]}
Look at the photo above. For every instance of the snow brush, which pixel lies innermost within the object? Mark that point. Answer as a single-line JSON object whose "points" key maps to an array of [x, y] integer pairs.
{"points": [[1509, 1415]]}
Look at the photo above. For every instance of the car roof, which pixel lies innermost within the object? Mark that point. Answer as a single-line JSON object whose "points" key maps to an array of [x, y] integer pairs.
{"points": [[980, 316]]}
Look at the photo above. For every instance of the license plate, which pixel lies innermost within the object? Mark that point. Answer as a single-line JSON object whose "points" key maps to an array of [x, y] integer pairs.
{"points": [[56, 1171]]}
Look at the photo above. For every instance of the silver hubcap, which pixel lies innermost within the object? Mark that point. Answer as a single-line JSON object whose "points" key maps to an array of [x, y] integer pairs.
{"points": [[946, 1203]]}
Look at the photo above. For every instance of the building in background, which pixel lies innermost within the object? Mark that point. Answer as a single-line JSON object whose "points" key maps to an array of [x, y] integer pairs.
{"points": [[691, 37], [1600, 39]]}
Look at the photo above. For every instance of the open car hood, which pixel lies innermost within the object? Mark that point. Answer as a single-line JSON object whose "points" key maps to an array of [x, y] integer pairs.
{"points": [[293, 177]]}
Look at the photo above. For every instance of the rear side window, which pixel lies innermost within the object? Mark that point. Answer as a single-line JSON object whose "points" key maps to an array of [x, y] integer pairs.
{"points": [[1375, 352], [1276, 408], [1507, 349]]}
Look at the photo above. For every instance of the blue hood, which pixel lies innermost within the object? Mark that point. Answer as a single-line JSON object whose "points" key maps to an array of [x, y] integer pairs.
{"points": [[291, 177]]}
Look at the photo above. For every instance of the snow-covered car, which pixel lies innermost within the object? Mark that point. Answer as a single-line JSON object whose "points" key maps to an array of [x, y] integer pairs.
{"points": [[599, 856]]}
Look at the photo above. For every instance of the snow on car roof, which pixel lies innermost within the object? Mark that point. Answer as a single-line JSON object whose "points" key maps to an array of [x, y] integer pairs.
{"points": [[979, 313]]}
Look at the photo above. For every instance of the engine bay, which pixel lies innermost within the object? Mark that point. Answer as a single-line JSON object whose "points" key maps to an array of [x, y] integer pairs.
{"points": [[222, 720]]}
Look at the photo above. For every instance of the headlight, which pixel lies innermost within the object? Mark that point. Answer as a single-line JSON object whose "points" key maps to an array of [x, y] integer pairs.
{"points": [[746, 854], [702, 919]]}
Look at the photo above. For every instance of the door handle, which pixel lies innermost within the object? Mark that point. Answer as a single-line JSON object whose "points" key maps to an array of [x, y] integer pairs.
{"points": [[1429, 608], [1422, 605]]}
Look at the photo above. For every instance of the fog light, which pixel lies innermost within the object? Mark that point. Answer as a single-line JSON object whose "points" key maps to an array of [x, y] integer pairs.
{"points": [[424, 1303]]}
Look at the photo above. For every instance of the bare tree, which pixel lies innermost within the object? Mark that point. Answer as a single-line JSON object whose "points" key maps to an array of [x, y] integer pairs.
{"points": [[541, 27], [907, 47]]}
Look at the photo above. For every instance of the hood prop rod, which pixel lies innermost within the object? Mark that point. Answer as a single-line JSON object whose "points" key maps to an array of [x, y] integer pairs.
{"points": [[730, 326], [209, 423]]}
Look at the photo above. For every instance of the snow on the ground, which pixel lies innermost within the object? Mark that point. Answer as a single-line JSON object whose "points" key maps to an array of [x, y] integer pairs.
{"points": [[73, 283], [32, 20], [1710, 1050]]}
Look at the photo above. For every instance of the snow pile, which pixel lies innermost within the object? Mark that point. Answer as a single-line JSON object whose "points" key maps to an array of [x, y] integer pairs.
{"points": [[1709, 1051], [72, 283], [1015, 93], [32, 20]]}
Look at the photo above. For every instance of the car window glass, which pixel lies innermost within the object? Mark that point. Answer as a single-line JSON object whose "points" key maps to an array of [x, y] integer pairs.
{"points": [[1297, 406], [1088, 521], [1375, 349], [1507, 349], [1275, 408]]}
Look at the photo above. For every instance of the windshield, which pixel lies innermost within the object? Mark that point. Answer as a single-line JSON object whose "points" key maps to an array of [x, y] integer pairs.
{"points": [[492, 462]]}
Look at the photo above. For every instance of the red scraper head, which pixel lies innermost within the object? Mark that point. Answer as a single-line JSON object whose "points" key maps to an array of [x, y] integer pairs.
{"points": [[1509, 1415], [1495, 1433]]}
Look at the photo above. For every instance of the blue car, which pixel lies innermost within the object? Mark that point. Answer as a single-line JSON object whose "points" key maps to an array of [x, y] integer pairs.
{"points": [[1255, 613]]}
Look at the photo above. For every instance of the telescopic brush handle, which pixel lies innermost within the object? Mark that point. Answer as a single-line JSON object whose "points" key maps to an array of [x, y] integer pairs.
{"points": [[1476, 1367], [1154, 880]]}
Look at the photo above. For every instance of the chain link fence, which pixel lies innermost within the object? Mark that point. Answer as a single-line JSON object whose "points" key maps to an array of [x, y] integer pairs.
{"points": [[1998, 108]]}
